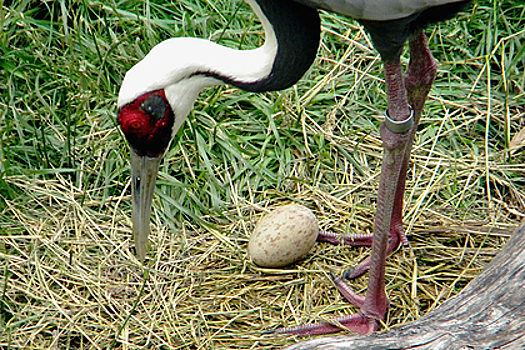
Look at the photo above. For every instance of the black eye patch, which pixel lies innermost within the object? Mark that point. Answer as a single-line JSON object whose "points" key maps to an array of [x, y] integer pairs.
{"points": [[154, 106]]}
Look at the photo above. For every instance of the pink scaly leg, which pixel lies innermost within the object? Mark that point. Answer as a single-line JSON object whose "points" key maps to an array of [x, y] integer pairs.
{"points": [[388, 227], [374, 306]]}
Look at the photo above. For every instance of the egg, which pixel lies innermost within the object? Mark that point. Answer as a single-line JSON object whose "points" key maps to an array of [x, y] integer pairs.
{"points": [[284, 236]]}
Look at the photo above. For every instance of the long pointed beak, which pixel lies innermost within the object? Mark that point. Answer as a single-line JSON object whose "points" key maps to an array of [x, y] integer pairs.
{"points": [[144, 171]]}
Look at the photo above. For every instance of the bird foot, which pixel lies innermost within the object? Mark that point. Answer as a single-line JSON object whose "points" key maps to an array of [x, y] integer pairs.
{"points": [[356, 322], [354, 239], [396, 238], [360, 323]]}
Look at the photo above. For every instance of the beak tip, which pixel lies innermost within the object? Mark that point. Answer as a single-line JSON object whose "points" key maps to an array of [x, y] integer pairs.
{"points": [[141, 253]]}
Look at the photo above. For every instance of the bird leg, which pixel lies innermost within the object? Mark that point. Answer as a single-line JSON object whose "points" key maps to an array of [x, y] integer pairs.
{"points": [[395, 132], [420, 74], [405, 93], [406, 98], [374, 306]]}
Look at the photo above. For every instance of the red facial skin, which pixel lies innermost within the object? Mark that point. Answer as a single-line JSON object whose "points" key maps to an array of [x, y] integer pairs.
{"points": [[147, 123]]}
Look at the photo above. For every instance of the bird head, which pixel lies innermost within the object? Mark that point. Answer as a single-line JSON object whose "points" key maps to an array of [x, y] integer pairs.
{"points": [[147, 123]]}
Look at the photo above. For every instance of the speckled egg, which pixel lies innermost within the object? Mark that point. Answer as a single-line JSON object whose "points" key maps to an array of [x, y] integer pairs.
{"points": [[284, 236]]}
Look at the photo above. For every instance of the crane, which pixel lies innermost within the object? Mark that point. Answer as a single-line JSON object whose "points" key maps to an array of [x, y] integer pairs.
{"points": [[158, 93]]}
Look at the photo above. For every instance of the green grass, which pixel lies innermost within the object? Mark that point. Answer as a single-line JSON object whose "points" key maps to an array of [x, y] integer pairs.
{"points": [[69, 278]]}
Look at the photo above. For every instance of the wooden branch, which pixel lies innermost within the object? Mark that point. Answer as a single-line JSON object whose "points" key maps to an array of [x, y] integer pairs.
{"points": [[488, 314]]}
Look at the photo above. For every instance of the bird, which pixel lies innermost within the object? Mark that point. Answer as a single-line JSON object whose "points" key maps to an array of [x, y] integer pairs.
{"points": [[158, 93]]}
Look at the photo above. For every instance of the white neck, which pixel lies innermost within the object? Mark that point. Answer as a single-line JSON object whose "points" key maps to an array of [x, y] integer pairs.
{"points": [[179, 66]]}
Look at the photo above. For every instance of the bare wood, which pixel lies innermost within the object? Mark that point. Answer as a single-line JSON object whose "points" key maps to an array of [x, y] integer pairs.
{"points": [[488, 314]]}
